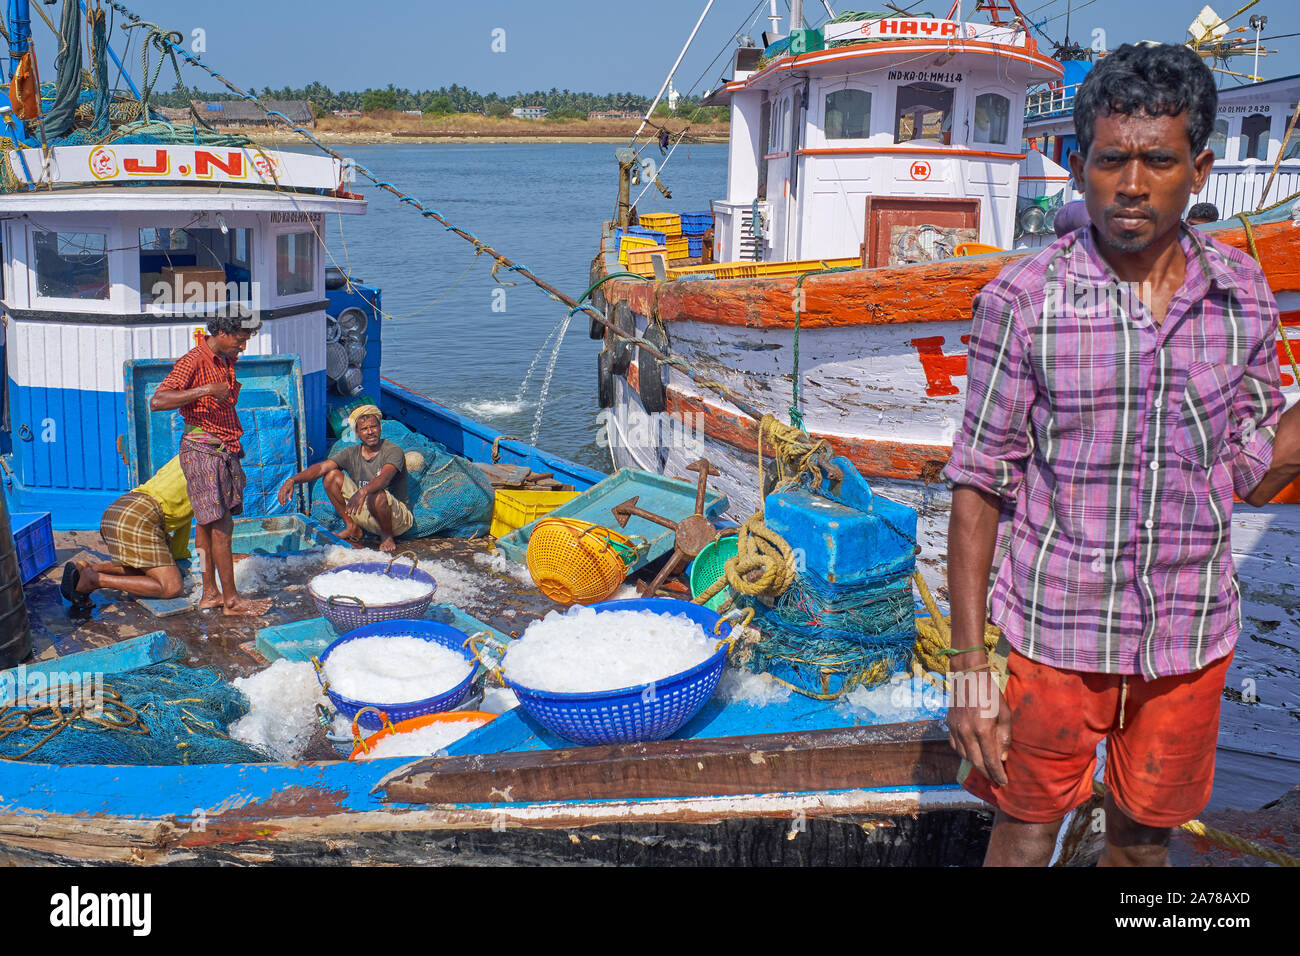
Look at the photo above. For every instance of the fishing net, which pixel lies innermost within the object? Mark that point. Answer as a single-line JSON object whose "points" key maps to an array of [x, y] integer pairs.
{"points": [[448, 496], [161, 715], [824, 638]]}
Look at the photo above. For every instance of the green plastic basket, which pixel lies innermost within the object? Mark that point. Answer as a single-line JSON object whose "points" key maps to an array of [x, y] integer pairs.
{"points": [[708, 569]]}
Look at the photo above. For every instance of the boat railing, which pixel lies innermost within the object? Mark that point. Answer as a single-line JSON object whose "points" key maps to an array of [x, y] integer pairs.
{"points": [[1051, 101]]}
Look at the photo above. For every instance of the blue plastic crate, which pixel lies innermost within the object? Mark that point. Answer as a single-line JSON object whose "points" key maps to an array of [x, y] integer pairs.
{"points": [[34, 539], [696, 223], [695, 246], [659, 237]]}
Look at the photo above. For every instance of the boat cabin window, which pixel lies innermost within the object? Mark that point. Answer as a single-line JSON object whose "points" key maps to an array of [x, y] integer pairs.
{"points": [[848, 114], [1219, 139], [295, 263], [1293, 151], [924, 111], [71, 265], [780, 123], [992, 118], [1254, 136], [195, 265]]}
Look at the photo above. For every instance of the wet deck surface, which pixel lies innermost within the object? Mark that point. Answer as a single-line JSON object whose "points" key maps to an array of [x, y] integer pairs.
{"points": [[228, 643]]}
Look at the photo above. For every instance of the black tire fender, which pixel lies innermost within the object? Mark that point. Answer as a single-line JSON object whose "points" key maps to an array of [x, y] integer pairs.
{"points": [[597, 300], [625, 322], [605, 378], [650, 378]]}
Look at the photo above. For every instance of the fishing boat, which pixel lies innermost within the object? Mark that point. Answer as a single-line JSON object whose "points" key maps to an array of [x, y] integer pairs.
{"points": [[117, 247], [865, 157]]}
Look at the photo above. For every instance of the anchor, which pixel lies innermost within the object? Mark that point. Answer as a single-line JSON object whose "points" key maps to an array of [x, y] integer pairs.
{"points": [[692, 534]]}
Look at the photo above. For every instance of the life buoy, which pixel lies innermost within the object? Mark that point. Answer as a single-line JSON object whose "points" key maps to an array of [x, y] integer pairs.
{"points": [[625, 323], [650, 379], [605, 378], [24, 98]]}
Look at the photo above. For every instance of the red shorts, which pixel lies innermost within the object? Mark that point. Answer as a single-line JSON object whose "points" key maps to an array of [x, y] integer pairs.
{"points": [[1159, 765]]}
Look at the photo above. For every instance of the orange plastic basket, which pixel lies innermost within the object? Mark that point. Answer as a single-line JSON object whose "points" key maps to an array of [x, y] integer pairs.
{"points": [[576, 562], [364, 746]]}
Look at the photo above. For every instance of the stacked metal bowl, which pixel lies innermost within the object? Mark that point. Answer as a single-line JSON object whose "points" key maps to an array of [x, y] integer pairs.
{"points": [[345, 350]]}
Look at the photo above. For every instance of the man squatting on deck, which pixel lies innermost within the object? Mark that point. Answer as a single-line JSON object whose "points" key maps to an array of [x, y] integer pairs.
{"points": [[146, 531], [1123, 385], [366, 483], [203, 386]]}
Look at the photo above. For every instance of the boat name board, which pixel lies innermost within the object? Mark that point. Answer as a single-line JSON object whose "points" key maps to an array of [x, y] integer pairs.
{"points": [[136, 162], [923, 76], [893, 28]]}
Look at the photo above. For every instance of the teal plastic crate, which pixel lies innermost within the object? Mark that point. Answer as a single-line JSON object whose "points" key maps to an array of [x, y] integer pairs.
{"points": [[34, 539]]}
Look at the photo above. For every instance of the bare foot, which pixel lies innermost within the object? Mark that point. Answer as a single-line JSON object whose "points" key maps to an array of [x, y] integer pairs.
{"points": [[211, 599], [351, 531], [388, 544], [243, 607]]}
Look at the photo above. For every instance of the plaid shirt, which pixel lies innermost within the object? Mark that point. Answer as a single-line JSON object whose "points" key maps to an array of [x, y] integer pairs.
{"points": [[1118, 444], [201, 366]]}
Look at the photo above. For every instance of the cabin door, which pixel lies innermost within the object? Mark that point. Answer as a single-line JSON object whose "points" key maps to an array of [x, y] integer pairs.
{"points": [[904, 229]]}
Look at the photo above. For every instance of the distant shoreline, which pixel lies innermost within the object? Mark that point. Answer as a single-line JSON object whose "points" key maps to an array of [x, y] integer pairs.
{"points": [[388, 128], [423, 138]]}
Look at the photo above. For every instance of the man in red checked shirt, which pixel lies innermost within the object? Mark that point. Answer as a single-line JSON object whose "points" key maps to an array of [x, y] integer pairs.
{"points": [[1124, 386], [202, 385]]}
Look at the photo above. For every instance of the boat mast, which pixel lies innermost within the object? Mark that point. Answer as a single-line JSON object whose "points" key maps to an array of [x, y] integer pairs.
{"points": [[796, 15], [20, 29], [775, 18]]}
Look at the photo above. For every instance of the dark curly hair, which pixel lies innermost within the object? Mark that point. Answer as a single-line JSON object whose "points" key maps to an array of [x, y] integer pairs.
{"points": [[1159, 79], [233, 321]]}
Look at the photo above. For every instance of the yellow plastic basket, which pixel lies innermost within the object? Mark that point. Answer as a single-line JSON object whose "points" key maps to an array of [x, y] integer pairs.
{"points": [[641, 261], [679, 247], [576, 562], [514, 509], [765, 270]]}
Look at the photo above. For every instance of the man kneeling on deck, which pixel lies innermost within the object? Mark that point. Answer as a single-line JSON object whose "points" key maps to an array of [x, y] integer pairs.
{"points": [[366, 483], [147, 531]]}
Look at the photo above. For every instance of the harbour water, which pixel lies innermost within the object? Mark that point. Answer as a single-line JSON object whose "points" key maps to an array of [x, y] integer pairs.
{"points": [[455, 334]]}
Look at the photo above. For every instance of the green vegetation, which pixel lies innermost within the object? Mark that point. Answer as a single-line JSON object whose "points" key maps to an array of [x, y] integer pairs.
{"points": [[457, 99]]}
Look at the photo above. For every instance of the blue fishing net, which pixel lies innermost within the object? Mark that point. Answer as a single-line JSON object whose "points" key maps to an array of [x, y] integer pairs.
{"points": [[161, 715], [448, 496]]}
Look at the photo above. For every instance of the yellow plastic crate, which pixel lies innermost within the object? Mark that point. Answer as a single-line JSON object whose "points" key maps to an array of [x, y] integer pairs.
{"points": [[768, 270], [679, 247], [514, 509], [641, 261], [629, 243], [669, 223]]}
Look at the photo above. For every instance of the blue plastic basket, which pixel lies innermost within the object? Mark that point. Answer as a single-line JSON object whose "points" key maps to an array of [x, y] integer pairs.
{"points": [[431, 631], [346, 613], [628, 714], [695, 223], [695, 246], [34, 540]]}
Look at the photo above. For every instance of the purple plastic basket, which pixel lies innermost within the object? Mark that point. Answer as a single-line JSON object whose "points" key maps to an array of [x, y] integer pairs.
{"points": [[346, 613]]}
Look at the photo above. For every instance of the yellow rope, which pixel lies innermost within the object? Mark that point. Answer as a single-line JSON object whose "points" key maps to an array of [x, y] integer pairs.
{"points": [[1223, 838]]}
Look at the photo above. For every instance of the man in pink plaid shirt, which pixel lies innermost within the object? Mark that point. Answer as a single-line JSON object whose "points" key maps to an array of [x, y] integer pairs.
{"points": [[1124, 384]]}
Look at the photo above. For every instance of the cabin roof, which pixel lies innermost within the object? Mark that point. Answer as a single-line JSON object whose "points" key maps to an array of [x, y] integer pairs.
{"points": [[176, 198]]}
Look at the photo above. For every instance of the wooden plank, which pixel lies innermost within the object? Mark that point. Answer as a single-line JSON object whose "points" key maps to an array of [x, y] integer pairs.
{"points": [[887, 755]]}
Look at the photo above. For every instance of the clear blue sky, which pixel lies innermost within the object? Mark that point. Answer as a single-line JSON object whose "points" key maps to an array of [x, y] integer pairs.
{"points": [[593, 45]]}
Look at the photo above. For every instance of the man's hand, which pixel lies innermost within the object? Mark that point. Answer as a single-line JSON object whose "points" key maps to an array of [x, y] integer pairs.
{"points": [[286, 490], [218, 390], [979, 722], [356, 502]]}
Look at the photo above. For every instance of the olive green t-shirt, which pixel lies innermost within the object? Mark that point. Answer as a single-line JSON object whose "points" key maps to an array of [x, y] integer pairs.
{"points": [[360, 470]]}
